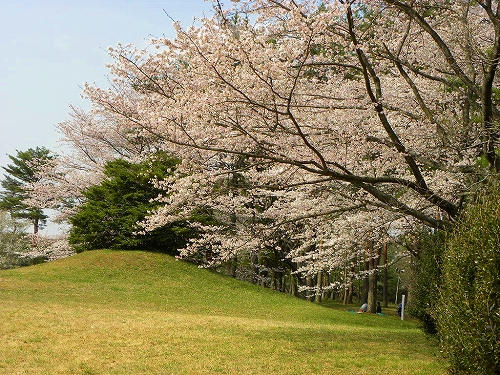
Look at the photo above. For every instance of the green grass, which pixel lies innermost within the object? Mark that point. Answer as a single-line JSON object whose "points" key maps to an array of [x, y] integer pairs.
{"points": [[104, 312]]}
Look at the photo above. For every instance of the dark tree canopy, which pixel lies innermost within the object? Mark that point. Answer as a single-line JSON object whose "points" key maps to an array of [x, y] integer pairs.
{"points": [[108, 219], [19, 175]]}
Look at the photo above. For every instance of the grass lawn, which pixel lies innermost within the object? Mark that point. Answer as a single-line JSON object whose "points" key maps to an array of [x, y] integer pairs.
{"points": [[115, 312]]}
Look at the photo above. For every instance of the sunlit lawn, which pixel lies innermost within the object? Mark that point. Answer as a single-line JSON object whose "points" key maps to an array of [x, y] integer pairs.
{"points": [[108, 312]]}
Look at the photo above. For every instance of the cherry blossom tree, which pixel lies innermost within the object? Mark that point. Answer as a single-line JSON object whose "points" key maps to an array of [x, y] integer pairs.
{"points": [[352, 117], [20, 174], [91, 141]]}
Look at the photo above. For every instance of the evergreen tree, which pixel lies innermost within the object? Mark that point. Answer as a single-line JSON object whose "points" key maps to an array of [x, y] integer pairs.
{"points": [[19, 175], [108, 219]]}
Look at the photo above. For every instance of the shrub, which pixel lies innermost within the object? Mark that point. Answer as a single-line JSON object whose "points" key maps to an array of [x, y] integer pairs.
{"points": [[427, 279], [467, 313]]}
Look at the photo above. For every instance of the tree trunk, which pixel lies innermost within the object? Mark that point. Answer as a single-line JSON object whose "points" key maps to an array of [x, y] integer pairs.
{"points": [[373, 260], [233, 267], [319, 283], [346, 286], [273, 279], [309, 284], [263, 278], [255, 268], [364, 295], [351, 286], [326, 282], [372, 282], [36, 225], [385, 297], [293, 284]]}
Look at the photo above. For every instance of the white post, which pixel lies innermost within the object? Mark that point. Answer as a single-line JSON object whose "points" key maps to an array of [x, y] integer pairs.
{"points": [[403, 307]]}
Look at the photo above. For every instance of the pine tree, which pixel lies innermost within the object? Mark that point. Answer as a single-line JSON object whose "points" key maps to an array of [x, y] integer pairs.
{"points": [[19, 175], [109, 217]]}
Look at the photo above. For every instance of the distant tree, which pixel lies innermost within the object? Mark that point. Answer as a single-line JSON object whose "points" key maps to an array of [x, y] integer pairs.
{"points": [[19, 175], [109, 217], [13, 241]]}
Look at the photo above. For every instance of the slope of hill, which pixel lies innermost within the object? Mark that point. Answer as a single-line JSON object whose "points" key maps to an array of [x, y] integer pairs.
{"points": [[116, 312]]}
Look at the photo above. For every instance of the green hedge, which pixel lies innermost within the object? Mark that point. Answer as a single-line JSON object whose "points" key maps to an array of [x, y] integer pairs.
{"points": [[467, 313], [427, 279]]}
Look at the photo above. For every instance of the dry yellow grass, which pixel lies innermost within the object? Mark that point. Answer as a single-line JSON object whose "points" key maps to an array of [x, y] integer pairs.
{"points": [[140, 313]]}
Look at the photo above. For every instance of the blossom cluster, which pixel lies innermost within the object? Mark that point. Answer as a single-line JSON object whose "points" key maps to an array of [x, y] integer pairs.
{"points": [[322, 124]]}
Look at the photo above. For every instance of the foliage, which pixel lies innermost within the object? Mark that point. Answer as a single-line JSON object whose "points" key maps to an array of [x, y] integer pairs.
{"points": [[20, 174], [356, 119], [427, 278], [344, 114], [468, 312], [13, 242], [18, 248], [48, 248], [109, 217]]}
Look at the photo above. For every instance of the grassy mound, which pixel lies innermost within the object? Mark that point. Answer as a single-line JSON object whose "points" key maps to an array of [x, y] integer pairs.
{"points": [[114, 312]]}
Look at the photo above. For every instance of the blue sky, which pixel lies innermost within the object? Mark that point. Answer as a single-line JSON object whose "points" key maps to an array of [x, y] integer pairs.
{"points": [[50, 47]]}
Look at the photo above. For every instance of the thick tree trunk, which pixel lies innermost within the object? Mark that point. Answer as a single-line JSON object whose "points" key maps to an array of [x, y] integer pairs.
{"points": [[255, 268], [233, 267], [326, 282], [373, 261], [319, 283], [351, 286], [364, 294], [263, 278], [309, 284], [293, 284], [372, 286], [280, 281]]}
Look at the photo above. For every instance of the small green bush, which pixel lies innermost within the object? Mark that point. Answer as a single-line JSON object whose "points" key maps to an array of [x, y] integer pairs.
{"points": [[468, 313]]}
